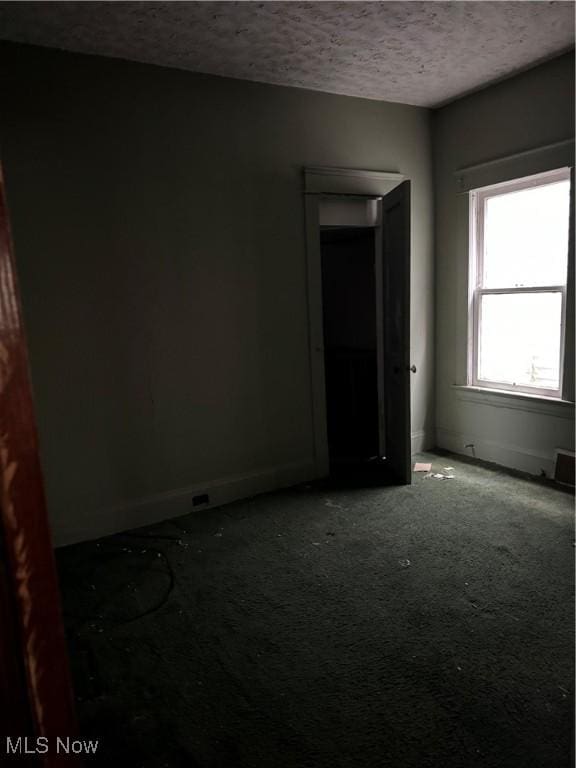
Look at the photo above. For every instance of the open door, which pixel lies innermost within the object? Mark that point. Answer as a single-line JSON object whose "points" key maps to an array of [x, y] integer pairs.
{"points": [[35, 689], [395, 219]]}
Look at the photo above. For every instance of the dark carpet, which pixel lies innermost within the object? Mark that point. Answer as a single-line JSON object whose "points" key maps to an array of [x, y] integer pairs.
{"points": [[428, 625]]}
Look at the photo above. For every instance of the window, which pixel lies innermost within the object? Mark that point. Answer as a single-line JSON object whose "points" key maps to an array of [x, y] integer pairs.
{"points": [[518, 269]]}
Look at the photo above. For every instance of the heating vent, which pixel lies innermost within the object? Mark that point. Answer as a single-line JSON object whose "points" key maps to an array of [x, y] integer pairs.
{"points": [[565, 463]]}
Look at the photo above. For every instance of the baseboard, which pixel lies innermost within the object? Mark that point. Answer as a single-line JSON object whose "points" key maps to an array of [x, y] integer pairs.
{"points": [[512, 456], [154, 509], [163, 506], [421, 440]]}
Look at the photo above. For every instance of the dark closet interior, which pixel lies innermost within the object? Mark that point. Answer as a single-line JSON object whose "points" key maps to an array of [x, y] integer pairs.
{"points": [[349, 317]]}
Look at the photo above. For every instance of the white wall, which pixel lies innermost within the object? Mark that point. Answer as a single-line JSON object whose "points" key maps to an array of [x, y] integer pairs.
{"points": [[533, 109], [158, 221]]}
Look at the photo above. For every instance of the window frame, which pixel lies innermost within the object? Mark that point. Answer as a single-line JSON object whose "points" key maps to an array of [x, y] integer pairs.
{"points": [[477, 200]]}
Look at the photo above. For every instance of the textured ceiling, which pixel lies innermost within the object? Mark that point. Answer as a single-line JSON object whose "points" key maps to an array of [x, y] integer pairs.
{"points": [[423, 53]]}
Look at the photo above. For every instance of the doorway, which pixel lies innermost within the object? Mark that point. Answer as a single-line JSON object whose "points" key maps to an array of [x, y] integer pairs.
{"points": [[350, 345], [358, 244]]}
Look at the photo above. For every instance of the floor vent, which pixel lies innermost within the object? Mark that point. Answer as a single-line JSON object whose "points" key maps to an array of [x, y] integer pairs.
{"points": [[565, 463]]}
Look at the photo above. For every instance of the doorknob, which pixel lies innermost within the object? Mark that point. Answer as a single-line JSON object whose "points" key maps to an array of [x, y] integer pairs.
{"points": [[412, 368]]}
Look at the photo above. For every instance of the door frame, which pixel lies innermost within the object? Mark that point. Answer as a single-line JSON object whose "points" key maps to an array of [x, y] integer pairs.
{"points": [[36, 695], [322, 182]]}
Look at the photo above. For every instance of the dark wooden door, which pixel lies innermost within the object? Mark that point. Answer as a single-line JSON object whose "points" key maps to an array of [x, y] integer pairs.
{"points": [[396, 380], [35, 687]]}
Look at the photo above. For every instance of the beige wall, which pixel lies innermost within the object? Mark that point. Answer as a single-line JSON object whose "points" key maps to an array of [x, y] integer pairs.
{"points": [[525, 112], [159, 235]]}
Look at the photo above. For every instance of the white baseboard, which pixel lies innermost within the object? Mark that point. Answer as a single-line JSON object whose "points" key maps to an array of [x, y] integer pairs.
{"points": [[163, 506], [511, 456], [421, 441]]}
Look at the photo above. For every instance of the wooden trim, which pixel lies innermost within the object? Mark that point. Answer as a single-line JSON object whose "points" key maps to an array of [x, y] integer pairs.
{"points": [[510, 169], [568, 392], [349, 181], [520, 401], [15, 713], [136, 513], [521, 289], [316, 336], [468, 443], [33, 618], [516, 156]]}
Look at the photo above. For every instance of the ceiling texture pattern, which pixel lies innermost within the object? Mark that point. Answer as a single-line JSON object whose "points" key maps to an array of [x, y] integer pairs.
{"points": [[421, 53]]}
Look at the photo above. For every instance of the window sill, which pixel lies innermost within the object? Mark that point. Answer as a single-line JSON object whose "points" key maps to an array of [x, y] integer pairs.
{"points": [[501, 398]]}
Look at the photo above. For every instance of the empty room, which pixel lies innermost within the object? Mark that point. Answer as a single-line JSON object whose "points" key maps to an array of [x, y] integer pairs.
{"points": [[287, 384]]}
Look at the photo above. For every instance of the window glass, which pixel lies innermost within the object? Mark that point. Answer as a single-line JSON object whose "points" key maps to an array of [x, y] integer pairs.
{"points": [[526, 237], [519, 339]]}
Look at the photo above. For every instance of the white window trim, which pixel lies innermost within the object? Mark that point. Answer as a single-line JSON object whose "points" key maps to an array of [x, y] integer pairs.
{"points": [[546, 406], [476, 291]]}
